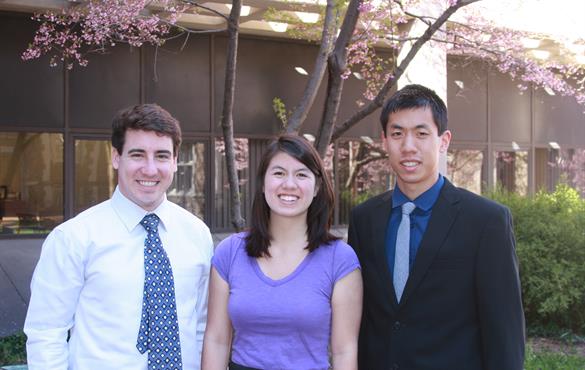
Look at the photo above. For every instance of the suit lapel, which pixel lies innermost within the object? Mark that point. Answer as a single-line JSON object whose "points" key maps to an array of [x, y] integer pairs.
{"points": [[443, 215], [379, 221]]}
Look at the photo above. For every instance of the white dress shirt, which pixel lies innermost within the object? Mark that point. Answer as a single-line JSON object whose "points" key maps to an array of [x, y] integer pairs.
{"points": [[90, 280]]}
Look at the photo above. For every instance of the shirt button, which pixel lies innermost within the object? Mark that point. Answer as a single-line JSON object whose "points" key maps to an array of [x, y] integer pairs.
{"points": [[396, 325]]}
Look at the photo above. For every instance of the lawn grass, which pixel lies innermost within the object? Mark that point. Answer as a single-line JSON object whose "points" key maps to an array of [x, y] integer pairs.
{"points": [[548, 360]]}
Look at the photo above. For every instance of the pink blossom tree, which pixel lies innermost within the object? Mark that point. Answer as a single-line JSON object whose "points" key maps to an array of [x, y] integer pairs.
{"points": [[350, 36]]}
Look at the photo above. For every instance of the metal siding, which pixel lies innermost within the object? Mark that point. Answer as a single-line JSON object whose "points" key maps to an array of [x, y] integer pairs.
{"points": [[179, 79], [559, 119], [467, 100], [509, 110], [32, 92], [109, 83]]}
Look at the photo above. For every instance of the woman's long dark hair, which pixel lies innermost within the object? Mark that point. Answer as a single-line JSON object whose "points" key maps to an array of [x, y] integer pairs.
{"points": [[320, 213]]}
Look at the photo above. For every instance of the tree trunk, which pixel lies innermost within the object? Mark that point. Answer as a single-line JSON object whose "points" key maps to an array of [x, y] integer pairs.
{"points": [[337, 64], [299, 113], [334, 89], [399, 70], [227, 122]]}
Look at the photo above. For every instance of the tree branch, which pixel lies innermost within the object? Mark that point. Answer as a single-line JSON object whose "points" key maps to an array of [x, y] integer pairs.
{"points": [[399, 70], [375, 155], [211, 10], [337, 63], [300, 111]]}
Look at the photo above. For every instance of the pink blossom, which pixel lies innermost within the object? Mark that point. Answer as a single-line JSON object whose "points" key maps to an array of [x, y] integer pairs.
{"points": [[69, 35]]}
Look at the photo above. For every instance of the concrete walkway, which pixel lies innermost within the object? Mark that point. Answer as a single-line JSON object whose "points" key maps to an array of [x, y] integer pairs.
{"points": [[18, 259]]}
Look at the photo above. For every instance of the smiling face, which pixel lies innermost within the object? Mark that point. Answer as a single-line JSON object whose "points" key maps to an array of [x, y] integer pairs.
{"points": [[289, 187], [145, 167], [414, 146]]}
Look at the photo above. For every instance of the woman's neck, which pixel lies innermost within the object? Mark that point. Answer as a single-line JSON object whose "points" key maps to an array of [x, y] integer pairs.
{"points": [[288, 232]]}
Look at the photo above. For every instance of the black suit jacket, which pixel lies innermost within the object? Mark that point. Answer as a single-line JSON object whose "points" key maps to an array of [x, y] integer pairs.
{"points": [[461, 307]]}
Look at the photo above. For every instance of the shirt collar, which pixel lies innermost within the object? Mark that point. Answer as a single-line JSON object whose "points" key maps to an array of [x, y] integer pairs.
{"points": [[425, 201], [131, 214]]}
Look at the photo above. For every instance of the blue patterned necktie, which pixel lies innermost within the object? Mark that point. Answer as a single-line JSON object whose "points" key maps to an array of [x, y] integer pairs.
{"points": [[159, 327], [402, 252]]}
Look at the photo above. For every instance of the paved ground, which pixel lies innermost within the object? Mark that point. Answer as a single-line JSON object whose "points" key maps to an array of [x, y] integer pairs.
{"points": [[17, 262]]}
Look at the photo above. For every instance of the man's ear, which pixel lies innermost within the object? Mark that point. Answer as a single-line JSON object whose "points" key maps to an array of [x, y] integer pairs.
{"points": [[445, 140], [115, 158], [175, 163]]}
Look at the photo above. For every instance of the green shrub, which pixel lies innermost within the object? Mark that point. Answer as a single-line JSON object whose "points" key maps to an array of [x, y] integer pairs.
{"points": [[12, 350], [550, 236]]}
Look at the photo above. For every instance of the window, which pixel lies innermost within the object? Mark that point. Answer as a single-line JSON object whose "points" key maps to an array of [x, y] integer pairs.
{"points": [[511, 171], [362, 172], [31, 182], [221, 219], [572, 165], [554, 166], [95, 178], [188, 187], [465, 169]]}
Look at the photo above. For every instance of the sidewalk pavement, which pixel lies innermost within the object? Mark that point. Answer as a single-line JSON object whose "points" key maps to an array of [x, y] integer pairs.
{"points": [[18, 258]]}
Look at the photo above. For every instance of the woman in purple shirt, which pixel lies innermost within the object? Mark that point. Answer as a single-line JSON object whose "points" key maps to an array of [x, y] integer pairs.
{"points": [[286, 293]]}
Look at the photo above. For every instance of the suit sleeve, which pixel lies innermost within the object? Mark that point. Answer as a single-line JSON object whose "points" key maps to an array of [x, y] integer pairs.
{"points": [[499, 295], [354, 242], [352, 237]]}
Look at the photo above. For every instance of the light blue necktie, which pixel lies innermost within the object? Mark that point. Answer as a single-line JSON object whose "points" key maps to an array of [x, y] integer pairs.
{"points": [[159, 327], [402, 252]]}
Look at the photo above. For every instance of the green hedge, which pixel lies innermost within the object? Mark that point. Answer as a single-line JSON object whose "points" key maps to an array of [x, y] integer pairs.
{"points": [[550, 236], [12, 349]]}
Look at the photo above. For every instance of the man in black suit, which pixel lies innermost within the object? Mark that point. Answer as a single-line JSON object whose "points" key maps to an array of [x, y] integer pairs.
{"points": [[459, 304]]}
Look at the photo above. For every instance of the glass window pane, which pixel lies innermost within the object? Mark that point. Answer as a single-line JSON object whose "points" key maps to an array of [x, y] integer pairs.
{"points": [[188, 187], [465, 169], [554, 166], [95, 178], [572, 165], [546, 170], [363, 172], [511, 171], [222, 214], [31, 182]]}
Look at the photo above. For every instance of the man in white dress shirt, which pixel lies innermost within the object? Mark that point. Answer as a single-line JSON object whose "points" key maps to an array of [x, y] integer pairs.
{"points": [[87, 289]]}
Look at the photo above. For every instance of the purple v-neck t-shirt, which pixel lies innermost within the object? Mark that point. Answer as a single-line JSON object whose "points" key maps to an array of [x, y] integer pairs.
{"points": [[285, 323]]}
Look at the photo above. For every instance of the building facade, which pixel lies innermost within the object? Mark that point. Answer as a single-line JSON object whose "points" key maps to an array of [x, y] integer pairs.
{"points": [[55, 126]]}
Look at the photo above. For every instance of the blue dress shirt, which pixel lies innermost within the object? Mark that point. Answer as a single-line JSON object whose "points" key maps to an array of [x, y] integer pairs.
{"points": [[419, 219]]}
